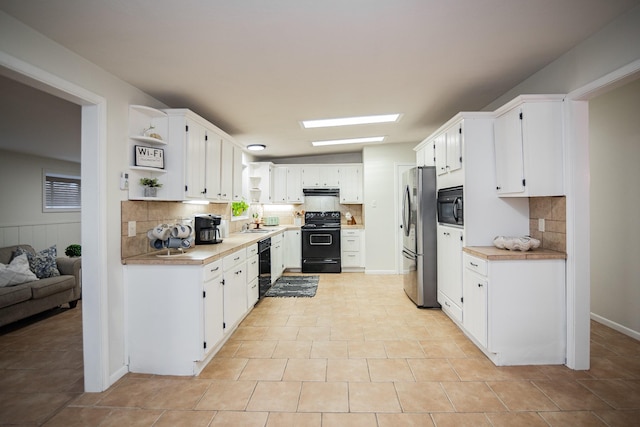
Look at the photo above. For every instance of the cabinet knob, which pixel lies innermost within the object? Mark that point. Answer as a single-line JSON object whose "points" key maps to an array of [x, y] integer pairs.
{"points": [[479, 285]]}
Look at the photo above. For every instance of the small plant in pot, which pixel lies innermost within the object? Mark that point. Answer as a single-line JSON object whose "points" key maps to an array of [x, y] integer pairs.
{"points": [[73, 251], [151, 186], [239, 208]]}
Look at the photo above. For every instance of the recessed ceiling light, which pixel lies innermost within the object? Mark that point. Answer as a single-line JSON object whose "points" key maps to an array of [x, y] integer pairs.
{"points": [[256, 147], [345, 121], [349, 141]]}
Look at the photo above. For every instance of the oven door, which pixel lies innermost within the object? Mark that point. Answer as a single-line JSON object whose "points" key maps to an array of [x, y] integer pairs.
{"points": [[323, 243]]}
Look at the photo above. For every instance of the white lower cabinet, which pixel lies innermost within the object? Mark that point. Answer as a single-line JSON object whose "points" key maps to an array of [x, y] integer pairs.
{"points": [[174, 317], [293, 249], [235, 288], [449, 264], [352, 249], [514, 310], [277, 256], [253, 270]]}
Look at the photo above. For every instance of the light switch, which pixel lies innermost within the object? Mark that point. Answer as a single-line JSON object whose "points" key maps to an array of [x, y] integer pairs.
{"points": [[541, 224], [132, 229]]}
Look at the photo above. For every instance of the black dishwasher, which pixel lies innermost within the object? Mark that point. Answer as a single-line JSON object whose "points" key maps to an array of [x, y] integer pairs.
{"points": [[264, 261]]}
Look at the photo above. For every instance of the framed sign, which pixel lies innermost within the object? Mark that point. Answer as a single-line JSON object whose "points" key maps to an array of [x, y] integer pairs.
{"points": [[150, 157]]}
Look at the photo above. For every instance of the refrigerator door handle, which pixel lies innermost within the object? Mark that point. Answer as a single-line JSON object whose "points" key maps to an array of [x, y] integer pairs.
{"points": [[406, 217]]}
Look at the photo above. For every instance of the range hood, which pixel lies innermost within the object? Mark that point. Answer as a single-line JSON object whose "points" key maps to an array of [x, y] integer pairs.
{"points": [[321, 192]]}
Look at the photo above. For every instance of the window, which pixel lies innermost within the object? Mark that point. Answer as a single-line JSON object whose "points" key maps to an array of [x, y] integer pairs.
{"points": [[61, 192]]}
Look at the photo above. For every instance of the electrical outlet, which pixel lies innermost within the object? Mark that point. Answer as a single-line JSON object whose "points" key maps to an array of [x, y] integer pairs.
{"points": [[541, 224], [132, 229]]}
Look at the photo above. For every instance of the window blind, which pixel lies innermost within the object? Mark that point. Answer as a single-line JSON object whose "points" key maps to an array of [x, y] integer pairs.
{"points": [[62, 192]]}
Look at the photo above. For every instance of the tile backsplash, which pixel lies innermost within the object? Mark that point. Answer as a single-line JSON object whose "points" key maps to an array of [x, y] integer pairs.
{"points": [[554, 212], [149, 214]]}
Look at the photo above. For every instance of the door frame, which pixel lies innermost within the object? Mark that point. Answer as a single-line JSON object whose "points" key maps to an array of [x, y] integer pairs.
{"points": [[578, 201], [93, 211]]}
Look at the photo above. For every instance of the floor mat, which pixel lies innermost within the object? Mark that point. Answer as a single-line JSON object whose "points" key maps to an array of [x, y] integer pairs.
{"points": [[294, 286]]}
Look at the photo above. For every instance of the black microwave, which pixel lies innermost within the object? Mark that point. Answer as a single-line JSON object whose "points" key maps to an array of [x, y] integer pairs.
{"points": [[450, 206]]}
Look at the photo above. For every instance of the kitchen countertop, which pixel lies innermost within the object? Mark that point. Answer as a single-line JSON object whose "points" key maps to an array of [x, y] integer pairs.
{"points": [[494, 254], [204, 254]]}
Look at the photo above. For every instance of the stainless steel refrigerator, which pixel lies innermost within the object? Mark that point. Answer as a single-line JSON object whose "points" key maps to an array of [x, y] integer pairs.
{"points": [[419, 220]]}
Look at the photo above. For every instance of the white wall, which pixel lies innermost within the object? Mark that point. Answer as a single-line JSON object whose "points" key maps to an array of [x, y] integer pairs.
{"points": [[612, 47], [614, 132], [380, 203], [27, 45], [21, 218]]}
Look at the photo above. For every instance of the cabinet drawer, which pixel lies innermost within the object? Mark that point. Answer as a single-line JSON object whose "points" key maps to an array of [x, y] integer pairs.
{"points": [[350, 233], [475, 264], [350, 244], [351, 259], [253, 268], [212, 270], [233, 259], [252, 250], [450, 308]]}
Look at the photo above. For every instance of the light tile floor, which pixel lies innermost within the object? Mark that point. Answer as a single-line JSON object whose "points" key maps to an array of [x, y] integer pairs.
{"points": [[357, 354]]}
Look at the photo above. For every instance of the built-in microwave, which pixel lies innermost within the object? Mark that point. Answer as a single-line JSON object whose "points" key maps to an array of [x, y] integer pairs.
{"points": [[450, 206]]}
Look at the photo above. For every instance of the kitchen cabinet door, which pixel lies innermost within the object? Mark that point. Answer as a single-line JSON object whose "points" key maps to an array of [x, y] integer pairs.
{"points": [[475, 305], [279, 188], [213, 306], [449, 263], [454, 148], [322, 176], [226, 171], [509, 153], [238, 167], [277, 256], [195, 160], [235, 288], [294, 185], [293, 249], [212, 168], [440, 143], [351, 184], [529, 153]]}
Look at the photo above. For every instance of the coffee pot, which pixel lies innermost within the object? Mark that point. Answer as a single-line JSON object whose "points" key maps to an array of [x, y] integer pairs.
{"points": [[207, 229]]}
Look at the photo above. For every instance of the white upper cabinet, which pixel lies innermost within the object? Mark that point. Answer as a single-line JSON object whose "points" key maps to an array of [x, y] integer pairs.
{"points": [[529, 147], [351, 191], [279, 187], [203, 166], [425, 153], [448, 150], [322, 176], [238, 166], [195, 164], [294, 184]]}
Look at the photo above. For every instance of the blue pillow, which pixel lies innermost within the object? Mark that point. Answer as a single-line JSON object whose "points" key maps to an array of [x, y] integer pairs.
{"points": [[43, 264]]}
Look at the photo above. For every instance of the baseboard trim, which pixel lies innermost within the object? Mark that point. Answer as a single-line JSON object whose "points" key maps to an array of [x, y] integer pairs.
{"points": [[113, 378], [616, 326]]}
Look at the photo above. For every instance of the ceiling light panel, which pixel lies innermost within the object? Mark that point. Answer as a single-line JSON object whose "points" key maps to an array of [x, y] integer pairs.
{"points": [[346, 121], [349, 141]]}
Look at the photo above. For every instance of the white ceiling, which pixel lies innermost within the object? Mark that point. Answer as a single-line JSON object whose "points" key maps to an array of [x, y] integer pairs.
{"points": [[256, 68]]}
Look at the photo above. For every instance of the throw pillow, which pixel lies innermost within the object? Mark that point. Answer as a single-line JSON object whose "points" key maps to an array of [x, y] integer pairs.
{"points": [[43, 263], [16, 272]]}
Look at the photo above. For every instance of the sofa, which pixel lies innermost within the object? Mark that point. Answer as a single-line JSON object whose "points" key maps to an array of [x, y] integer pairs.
{"points": [[26, 299]]}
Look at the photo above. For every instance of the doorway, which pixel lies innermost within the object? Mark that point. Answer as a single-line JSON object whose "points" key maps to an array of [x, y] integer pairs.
{"points": [[93, 216]]}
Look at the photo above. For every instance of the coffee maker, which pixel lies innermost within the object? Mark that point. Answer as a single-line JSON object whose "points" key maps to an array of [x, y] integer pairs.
{"points": [[207, 229]]}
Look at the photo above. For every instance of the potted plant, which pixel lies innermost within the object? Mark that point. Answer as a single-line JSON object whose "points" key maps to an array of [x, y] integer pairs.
{"points": [[151, 186], [73, 251], [239, 208]]}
